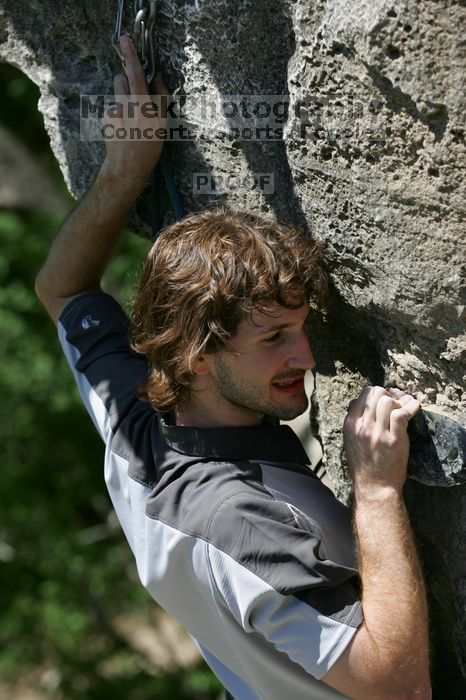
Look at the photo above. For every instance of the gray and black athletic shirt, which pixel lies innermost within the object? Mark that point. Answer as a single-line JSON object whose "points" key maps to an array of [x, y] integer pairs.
{"points": [[232, 533]]}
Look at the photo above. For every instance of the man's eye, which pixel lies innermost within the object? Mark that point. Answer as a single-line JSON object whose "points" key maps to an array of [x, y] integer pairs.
{"points": [[273, 338]]}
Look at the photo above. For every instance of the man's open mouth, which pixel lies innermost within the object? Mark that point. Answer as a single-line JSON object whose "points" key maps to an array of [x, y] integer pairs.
{"points": [[292, 385]]}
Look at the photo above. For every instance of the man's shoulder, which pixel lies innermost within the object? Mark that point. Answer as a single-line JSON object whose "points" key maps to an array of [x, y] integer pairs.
{"points": [[226, 504], [195, 491]]}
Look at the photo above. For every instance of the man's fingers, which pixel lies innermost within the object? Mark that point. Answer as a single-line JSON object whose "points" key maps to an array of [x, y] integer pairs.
{"points": [[401, 396], [372, 401], [377, 404], [120, 85], [395, 392], [356, 406], [136, 80], [385, 406], [400, 417], [410, 406]]}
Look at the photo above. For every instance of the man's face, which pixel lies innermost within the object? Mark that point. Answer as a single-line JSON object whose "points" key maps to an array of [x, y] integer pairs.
{"points": [[261, 371]]}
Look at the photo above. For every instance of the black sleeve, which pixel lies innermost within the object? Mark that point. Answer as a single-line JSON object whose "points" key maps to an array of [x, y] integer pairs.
{"points": [[93, 331]]}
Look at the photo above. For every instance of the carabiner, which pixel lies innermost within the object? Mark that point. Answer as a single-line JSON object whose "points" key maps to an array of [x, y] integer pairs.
{"points": [[145, 31], [117, 31]]}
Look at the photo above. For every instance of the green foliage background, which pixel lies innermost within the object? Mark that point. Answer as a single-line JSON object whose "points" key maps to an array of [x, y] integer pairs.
{"points": [[65, 568]]}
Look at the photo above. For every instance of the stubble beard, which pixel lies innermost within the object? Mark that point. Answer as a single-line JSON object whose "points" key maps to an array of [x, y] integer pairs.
{"points": [[244, 394]]}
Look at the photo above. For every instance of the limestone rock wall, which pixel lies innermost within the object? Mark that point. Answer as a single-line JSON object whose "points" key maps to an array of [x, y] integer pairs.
{"points": [[372, 162]]}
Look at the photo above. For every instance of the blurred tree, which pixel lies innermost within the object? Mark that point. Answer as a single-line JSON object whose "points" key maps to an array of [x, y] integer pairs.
{"points": [[65, 570]]}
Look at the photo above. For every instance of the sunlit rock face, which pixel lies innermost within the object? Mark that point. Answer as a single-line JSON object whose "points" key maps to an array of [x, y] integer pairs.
{"points": [[371, 162]]}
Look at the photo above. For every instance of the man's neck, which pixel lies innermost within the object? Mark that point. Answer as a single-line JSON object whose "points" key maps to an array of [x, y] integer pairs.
{"points": [[203, 417]]}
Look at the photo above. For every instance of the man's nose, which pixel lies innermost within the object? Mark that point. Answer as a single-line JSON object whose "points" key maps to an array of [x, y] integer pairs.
{"points": [[301, 356]]}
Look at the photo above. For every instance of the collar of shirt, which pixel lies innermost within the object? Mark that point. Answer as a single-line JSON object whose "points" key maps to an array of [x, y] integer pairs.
{"points": [[266, 442]]}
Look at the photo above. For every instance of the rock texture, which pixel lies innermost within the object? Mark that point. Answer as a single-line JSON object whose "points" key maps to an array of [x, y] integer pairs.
{"points": [[438, 450], [372, 162]]}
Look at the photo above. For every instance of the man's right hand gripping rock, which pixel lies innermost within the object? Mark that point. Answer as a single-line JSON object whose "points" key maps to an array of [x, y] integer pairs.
{"points": [[376, 440]]}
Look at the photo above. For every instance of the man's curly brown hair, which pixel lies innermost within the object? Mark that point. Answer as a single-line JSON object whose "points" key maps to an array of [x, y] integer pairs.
{"points": [[201, 277]]}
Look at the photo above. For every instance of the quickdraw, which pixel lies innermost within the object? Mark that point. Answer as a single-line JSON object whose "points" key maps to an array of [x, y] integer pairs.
{"points": [[142, 33]]}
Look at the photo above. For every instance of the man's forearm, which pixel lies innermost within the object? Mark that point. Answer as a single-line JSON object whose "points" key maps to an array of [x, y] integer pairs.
{"points": [[388, 657], [87, 239], [393, 596]]}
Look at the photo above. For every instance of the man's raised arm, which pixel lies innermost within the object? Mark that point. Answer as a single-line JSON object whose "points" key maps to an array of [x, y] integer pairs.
{"points": [[388, 658], [87, 239]]}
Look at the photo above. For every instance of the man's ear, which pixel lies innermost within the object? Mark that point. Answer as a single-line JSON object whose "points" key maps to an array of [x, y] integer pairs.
{"points": [[201, 365]]}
